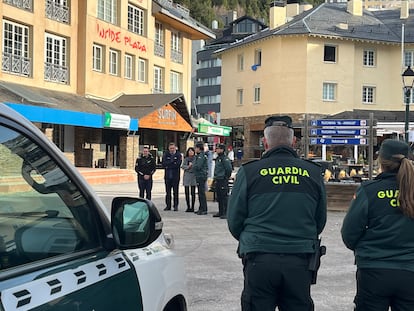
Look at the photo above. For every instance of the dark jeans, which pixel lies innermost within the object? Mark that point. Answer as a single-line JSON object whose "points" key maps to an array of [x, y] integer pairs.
{"points": [[201, 189], [145, 187], [281, 280], [379, 289], [222, 190], [171, 184]]}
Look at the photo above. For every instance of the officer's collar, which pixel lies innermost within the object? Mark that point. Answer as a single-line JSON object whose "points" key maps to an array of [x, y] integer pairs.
{"points": [[280, 150], [386, 175]]}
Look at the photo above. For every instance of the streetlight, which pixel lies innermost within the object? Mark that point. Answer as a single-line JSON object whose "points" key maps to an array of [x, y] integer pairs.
{"points": [[408, 82]]}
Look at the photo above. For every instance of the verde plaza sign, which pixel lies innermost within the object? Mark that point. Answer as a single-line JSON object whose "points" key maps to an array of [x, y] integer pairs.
{"points": [[214, 129]]}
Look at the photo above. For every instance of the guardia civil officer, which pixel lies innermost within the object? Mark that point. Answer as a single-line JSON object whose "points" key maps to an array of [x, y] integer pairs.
{"points": [[222, 173], [379, 228], [200, 170], [145, 167], [276, 211]]}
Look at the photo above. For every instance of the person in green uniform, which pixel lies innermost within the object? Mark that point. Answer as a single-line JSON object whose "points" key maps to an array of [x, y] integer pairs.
{"points": [[200, 170], [276, 210], [222, 173], [379, 229]]}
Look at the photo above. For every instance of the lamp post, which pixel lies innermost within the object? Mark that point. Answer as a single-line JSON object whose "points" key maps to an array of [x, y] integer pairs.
{"points": [[408, 82]]}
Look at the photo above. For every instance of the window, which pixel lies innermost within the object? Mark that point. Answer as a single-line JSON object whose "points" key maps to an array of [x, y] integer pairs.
{"points": [[159, 40], [107, 10], [56, 69], [329, 54], [136, 19], [329, 91], [97, 57], [175, 82], [158, 80], [369, 58], [246, 26], [209, 99], [113, 62], [176, 41], [142, 70], [409, 58], [240, 62], [159, 34], [257, 94], [129, 66], [368, 94], [46, 216], [240, 97], [209, 81], [15, 58], [257, 57]]}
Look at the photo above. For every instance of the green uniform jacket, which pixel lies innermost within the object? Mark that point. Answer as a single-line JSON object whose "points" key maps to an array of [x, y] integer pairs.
{"points": [[200, 165], [278, 204], [376, 230], [222, 168]]}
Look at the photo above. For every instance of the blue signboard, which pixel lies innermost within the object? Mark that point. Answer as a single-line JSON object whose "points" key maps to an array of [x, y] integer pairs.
{"points": [[338, 141], [333, 122], [340, 132]]}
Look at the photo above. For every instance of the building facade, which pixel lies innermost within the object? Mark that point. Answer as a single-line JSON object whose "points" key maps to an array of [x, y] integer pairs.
{"points": [[333, 58], [88, 72]]}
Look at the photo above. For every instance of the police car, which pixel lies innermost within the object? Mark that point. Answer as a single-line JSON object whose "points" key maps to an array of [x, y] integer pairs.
{"points": [[60, 249]]}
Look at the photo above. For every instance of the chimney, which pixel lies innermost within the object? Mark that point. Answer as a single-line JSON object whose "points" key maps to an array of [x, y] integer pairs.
{"points": [[355, 7], [405, 9], [292, 9], [277, 14]]}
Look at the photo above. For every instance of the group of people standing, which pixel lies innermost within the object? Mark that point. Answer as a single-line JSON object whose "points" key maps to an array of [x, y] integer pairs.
{"points": [[195, 175], [278, 209]]}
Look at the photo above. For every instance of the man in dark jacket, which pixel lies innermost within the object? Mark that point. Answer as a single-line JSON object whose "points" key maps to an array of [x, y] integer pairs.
{"points": [[171, 161], [222, 173], [200, 170], [145, 168], [276, 211]]}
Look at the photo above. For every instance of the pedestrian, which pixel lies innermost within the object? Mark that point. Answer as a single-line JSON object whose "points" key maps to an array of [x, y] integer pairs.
{"points": [[379, 229], [189, 179], [145, 167], [239, 156], [171, 161], [222, 173], [276, 211], [200, 169], [230, 155]]}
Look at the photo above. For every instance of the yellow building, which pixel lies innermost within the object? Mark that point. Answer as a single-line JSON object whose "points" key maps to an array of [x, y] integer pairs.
{"points": [[86, 71], [333, 58]]}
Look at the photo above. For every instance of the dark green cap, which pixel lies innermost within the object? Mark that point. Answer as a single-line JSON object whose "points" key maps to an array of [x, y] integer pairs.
{"points": [[392, 149]]}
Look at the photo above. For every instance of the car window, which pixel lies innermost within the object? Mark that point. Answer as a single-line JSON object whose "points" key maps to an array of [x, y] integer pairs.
{"points": [[42, 212]]}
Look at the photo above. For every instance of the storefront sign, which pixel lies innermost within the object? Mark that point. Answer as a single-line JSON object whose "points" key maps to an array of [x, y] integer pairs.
{"points": [[165, 118], [114, 120], [214, 129]]}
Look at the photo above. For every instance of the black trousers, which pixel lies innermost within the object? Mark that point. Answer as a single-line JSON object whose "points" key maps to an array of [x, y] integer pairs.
{"points": [[201, 189], [145, 187], [222, 191], [171, 184], [187, 191], [379, 289], [276, 280]]}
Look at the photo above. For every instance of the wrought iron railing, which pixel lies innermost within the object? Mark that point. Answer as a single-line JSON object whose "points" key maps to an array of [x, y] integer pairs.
{"points": [[21, 4], [56, 73], [16, 64], [57, 12], [159, 50], [177, 56]]}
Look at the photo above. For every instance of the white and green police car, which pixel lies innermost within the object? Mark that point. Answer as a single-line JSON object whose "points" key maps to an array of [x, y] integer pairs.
{"points": [[59, 247]]}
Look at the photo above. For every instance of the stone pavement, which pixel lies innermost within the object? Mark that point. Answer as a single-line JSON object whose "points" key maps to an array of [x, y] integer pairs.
{"points": [[214, 272]]}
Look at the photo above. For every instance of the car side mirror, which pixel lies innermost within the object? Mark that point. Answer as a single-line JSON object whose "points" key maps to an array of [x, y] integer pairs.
{"points": [[136, 222]]}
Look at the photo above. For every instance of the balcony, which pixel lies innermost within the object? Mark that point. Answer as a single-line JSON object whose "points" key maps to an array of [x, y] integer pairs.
{"points": [[159, 50], [21, 4], [16, 64], [177, 56], [157, 91], [56, 73], [57, 12]]}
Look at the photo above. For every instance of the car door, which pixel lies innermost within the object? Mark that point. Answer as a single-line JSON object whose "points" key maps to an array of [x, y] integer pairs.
{"points": [[56, 251]]}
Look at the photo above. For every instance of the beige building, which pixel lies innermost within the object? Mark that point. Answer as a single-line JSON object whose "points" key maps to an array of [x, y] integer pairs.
{"points": [[100, 78], [333, 58]]}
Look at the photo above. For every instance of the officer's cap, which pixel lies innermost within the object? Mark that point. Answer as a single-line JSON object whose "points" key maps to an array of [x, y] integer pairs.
{"points": [[392, 149], [200, 145], [221, 146], [279, 121]]}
